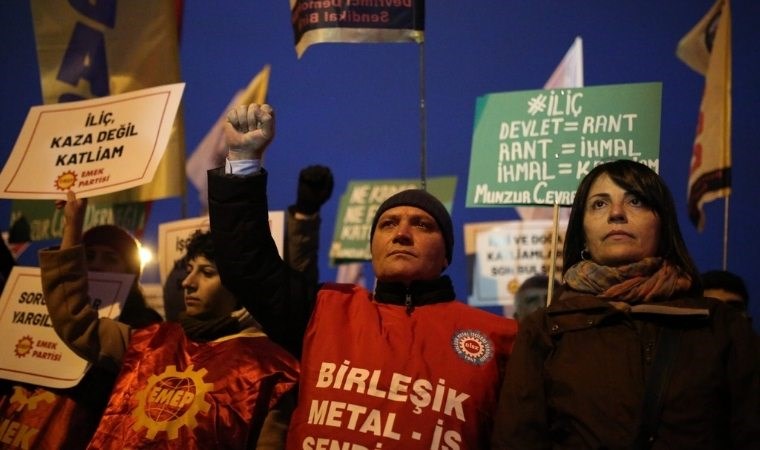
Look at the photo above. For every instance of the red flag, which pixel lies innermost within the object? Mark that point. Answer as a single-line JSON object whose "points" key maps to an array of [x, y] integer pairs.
{"points": [[707, 50], [356, 21]]}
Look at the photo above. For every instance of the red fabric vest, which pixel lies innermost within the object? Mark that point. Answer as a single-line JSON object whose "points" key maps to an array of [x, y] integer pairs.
{"points": [[175, 393], [37, 418], [372, 374]]}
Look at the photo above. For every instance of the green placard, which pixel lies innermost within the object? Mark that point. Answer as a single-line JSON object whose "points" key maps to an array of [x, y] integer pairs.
{"points": [[357, 209], [534, 147], [45, 222]]}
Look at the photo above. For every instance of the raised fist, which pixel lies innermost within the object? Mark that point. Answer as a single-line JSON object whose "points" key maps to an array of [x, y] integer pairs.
{"points": [[315, 186], [249, 130]]}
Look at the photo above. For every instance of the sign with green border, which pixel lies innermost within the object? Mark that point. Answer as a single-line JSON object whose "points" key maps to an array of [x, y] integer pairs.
{"points": [[534, 147]]}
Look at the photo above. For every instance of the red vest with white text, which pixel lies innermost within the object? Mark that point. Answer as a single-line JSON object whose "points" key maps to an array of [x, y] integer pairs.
{"points": [[372, 374], [175, 393]]}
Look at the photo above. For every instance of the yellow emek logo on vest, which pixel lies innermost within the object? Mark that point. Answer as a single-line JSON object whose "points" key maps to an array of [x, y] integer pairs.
{"points": [[23, 398], [171, 400]]}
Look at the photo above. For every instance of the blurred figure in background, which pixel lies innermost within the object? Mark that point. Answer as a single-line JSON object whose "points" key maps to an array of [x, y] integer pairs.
{"points": [[726, 286], [531, 295], [111, 248]]}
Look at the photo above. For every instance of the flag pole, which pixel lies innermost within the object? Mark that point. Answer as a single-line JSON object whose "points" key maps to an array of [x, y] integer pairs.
{"points": [[725, 232], [183, 203], [553, 257], [423, 120]]}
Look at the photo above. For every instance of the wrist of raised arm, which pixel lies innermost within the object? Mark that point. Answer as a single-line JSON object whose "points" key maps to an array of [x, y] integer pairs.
{"points": [[234, 154]]}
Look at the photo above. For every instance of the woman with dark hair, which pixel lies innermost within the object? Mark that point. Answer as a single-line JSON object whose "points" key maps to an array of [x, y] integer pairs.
{"points": [[630, 354], [650, 190], [213, 380]]}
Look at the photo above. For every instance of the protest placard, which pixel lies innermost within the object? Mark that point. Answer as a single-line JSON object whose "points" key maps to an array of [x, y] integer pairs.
{"points": [[30, 349], [534, 147], [91, 147], [173, 238]]}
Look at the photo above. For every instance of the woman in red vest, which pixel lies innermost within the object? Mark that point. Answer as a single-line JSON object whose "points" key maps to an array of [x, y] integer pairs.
{"points": [[213, 380]]}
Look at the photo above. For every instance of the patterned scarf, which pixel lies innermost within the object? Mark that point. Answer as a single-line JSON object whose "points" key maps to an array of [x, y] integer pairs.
{"points": [[648, 280]]}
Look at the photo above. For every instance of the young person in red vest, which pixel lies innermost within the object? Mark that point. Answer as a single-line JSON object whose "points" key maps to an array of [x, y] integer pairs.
{"points": [[213, 380], [406, 366]]}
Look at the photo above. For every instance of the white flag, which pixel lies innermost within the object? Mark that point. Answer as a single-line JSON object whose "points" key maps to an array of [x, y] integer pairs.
{"points": [[569, 73]]}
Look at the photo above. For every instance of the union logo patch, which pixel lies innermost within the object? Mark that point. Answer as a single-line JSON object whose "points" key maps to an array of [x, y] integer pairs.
{"points": [[473, 346], [170, 401]]}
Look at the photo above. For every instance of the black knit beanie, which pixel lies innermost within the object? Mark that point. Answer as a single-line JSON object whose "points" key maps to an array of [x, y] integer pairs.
{"points": [[426, 202]]}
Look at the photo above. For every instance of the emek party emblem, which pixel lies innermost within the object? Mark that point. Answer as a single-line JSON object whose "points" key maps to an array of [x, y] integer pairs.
{"points": [[171, 400], [65, 181], [473, 346], [24, 346]]}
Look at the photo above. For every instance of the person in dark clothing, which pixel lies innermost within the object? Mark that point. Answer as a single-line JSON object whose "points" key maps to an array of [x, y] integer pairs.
{"points": [[532, 295], [7, 261], [726, 286], [405, 366], [631, 355]]}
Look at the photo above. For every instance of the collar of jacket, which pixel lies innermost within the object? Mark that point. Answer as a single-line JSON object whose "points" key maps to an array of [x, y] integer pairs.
{"points": [[206, 329], [419, 293], [576, 311]]}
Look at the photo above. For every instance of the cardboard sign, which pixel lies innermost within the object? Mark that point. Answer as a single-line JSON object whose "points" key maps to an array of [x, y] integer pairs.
{"points": [[91, 147], [534, 147], [30, 350], [505, 254], [174, 236]]}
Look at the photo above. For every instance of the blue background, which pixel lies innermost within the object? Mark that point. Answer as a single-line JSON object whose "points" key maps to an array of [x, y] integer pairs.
{"points": [[355, 107]]}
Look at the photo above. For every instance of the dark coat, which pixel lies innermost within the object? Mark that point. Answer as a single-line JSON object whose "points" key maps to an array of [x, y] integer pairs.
{"points": [[246, 256], [577, 375]]}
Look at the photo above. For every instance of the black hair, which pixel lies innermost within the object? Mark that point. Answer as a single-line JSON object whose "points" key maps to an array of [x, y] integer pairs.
{"points": [[200, 244], [649, 187], [728, 281]]}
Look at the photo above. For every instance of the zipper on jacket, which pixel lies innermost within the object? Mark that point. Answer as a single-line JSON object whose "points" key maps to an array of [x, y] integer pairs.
{"points": [[408, 303]]}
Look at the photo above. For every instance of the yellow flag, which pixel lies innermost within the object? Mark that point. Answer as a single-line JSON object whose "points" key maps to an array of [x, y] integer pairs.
{"points": [[211, 152], [707, 50], [95, 49]]}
